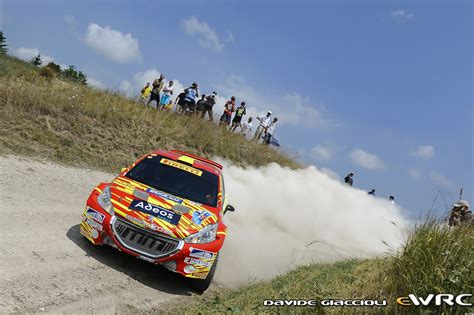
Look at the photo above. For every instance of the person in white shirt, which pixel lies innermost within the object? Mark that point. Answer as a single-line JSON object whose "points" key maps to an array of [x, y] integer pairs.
{"points": [[246, 127], [264, 122], [269, 131], [166, 97]]}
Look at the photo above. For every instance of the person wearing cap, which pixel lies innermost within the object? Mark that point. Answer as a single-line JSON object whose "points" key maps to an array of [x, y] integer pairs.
{"points": [[239, 113], [229, 108], [191, 93], [264, 121], [460, 213], [348, 180], [267, 138], [155, 92]]}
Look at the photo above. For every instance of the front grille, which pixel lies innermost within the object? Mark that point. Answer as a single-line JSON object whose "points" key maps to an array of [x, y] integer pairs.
{"points": [[143, 241]]}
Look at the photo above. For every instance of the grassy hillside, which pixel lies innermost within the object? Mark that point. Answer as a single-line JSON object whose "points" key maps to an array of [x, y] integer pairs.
{"points": [[74, 124]]}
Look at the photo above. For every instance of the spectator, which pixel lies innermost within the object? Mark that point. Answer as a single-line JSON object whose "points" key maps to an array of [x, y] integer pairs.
{"points": [[180, 103], [264, 122], [155, 92], [145, 92], [210, 102], [246, 127], [391, 199], [165, 99], [201, 104], [229, 108], [269, 131], [348, 180], [460, 213], [239, 113], [372, 192], [191, 93]]}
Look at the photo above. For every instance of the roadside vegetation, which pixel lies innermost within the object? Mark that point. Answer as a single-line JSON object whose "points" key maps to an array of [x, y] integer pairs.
{"points": [[49, 116], [435, 259]]}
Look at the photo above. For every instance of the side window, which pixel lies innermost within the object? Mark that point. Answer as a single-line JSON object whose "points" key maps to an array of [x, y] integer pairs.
{"points": [[222, 187]]}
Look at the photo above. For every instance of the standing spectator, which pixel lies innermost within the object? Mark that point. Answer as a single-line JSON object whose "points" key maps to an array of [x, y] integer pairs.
{"points": [[166, 97], [210, 102], [348, 180], [267, 138], [239, 113], [201, 104], [180, 103], [229, 108], [145, 92], [391, 199], [191, 93], [246, 127], [372, 192], [264, 122], [155, 92]]}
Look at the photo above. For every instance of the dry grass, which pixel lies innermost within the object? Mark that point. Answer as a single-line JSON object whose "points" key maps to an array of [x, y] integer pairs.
{"points": [[73, 124]]}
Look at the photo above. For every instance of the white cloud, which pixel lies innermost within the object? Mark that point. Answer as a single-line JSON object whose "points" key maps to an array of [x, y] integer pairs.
{"points": [[402, 16], [366, 160], [290, 108], [28, 53], [114, 45], [133, 87], [329, 172], [425, 152], [206, 36], [414, 173], [95, 83], [442, 181], [322, 153], [71, 20]]}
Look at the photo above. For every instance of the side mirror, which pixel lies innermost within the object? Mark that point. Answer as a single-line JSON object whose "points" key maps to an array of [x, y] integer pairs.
{"points": [[229, 208]]}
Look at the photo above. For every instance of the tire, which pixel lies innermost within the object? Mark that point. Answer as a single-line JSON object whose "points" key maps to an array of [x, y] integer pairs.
{"points": [[201, 285]]}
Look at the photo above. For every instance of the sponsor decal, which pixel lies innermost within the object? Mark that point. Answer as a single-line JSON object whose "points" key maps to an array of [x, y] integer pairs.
{"points": [[199, 275], [99, 217], [151, 226], [92, 223], [200, 215], [435, 299], [164, 195], [146, 259], [94, 233], [183, 167], [163, 214], [199, 262], [199, 253]]}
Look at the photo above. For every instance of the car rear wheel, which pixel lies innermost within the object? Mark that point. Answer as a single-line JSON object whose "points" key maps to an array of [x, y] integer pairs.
{"points": [[201, 285]]}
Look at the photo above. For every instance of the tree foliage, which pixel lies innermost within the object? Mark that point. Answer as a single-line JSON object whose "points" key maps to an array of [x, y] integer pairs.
{"points": [[3, 45], [36, 60], [72, 74]]}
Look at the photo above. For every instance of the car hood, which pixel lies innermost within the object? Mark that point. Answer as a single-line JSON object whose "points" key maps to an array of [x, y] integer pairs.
{"points": [[157, 210]]}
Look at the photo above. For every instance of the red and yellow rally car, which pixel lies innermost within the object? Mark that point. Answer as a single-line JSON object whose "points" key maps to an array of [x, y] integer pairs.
{"points": [[166, 208]]}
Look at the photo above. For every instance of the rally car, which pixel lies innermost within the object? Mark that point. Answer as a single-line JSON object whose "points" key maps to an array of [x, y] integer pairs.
{"points": [[166, 208]]}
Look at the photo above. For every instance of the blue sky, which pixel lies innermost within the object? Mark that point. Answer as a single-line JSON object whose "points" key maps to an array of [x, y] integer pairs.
{"points": [[382, 89]]}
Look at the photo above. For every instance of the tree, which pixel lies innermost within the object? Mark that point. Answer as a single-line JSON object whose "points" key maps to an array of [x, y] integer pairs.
{"points": [[72, 74], [3, 46], [54, 66], [36, 60]]}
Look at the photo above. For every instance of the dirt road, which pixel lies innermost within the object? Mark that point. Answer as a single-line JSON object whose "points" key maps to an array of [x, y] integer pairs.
{"points": [[46, 266]]}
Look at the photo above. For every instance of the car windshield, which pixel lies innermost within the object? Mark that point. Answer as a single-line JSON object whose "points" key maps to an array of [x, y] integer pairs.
{"points": [[177, 178]]}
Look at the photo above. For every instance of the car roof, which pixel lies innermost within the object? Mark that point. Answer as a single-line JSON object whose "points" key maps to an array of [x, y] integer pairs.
{"points": [[191, 159]]}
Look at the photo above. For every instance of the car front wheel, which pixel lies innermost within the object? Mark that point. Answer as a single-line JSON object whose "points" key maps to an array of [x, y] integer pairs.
{"points": [[201, 285]]}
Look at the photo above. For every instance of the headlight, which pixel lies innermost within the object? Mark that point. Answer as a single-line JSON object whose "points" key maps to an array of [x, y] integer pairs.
{"points": [[206, 235], [104, 200]]}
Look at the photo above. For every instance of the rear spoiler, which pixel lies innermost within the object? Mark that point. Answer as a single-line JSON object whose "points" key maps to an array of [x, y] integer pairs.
{"points": [[197, 157]]}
